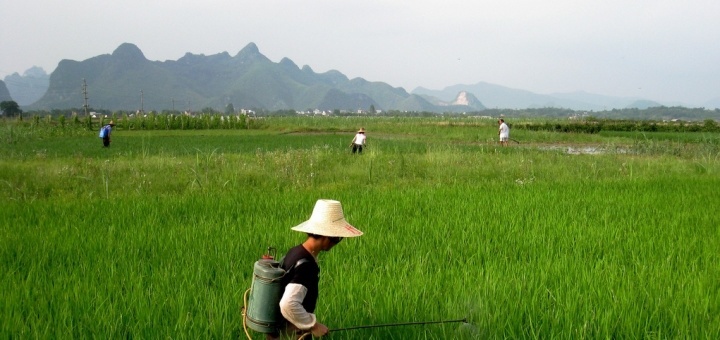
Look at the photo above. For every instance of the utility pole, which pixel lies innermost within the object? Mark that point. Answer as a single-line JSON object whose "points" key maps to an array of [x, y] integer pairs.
{"points": [[84, 92], [173, 104], [142, 108]]}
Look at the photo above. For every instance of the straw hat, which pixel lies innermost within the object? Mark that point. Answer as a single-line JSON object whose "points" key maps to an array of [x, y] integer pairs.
{"points": [[362, 130], [327, 220], [111, 123]]}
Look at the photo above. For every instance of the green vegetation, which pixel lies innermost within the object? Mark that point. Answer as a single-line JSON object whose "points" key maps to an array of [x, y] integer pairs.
{"points": [[10, 109], [625, 118], [595, 126], [658, 113], [156, 236]]}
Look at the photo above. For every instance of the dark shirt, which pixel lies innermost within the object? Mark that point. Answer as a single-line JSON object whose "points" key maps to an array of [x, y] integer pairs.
{"points": [[306, 274]]}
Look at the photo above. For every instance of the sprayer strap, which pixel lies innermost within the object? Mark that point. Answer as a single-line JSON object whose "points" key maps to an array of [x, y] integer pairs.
{"points": [[297, 264]]}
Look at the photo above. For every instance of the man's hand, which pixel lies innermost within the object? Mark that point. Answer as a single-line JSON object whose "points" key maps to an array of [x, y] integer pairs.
{"points": [[319, 330]]}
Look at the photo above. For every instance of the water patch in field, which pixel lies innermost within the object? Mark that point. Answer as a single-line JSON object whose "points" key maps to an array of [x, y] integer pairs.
{"points": [[585, 150]]}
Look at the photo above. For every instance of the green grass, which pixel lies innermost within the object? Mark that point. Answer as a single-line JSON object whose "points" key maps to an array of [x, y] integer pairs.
{"points": [[156, 236]]}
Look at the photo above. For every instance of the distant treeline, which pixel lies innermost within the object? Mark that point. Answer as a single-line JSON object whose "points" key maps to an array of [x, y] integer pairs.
{"points": [[559, 120], [183, 122], [660, 113], [149, 121], [593, 125]]}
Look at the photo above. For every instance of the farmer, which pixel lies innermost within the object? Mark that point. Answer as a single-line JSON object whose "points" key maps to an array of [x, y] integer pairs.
{"points": [[359, 141], [503, 132], [106, 135], [325, 229]]}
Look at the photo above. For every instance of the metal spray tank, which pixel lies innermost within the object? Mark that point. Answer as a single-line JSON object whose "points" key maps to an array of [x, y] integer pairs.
{"points": [[263, 306]]}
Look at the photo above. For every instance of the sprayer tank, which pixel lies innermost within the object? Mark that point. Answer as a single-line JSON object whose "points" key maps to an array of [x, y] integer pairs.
{"points": [[263, 312]]}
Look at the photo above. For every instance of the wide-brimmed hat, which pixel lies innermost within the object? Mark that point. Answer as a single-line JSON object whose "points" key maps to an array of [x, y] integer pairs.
{"points": [[111, 123], [327, 219], [362, 130]]}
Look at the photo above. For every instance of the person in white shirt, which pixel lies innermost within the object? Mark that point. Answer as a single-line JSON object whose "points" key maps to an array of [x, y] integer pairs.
{"points": [[503, 132], [359, 141]]}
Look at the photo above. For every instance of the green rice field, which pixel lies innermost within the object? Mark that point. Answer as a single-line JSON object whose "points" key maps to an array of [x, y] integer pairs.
{"points": [[562, 235]]}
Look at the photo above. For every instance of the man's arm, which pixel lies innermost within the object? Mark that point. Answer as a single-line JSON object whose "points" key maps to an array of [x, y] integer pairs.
{"points": [[292, 309]]}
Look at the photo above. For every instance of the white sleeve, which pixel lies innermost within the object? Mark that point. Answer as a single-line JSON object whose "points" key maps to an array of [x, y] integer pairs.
{"points": [[292, 309]]}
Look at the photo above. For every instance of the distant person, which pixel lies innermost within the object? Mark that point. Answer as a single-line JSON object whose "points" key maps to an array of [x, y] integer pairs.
{"points": [[503, 132], [359, 141], [105, 132]]}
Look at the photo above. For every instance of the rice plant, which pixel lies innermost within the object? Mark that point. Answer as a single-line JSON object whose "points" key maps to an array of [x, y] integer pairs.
{"points": [[155, 237]]}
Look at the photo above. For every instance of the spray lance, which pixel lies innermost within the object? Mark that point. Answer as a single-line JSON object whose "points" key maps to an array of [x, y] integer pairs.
{"points": [[463, 320]]}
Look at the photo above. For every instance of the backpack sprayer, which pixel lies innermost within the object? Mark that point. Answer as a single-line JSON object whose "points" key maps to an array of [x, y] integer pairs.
{"points": [[261, 311]]}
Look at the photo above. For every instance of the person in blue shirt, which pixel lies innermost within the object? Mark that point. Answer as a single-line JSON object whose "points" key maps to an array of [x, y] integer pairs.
{"points": [[107, 130]]}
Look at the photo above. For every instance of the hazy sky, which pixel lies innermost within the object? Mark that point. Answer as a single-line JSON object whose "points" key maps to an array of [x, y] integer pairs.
{"points": [[666, 50]]}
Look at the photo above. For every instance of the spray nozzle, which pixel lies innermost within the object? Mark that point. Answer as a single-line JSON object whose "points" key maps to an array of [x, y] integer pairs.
{"points": [[270, 255]]}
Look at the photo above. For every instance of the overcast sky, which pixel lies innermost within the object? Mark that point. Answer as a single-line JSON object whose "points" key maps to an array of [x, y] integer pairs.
{"points": [[665, 50]]}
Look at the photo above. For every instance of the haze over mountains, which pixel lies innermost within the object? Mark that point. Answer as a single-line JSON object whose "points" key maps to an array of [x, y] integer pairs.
{"points": [[495, 96], [126, 80], [4, 93], [27, 88]]}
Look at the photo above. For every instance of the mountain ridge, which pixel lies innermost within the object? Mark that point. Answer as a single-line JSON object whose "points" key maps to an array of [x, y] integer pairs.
{"points": [[126, 80]]}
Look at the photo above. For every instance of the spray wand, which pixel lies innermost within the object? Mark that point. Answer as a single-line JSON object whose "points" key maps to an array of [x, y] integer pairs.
{"points": [[463, 320]]}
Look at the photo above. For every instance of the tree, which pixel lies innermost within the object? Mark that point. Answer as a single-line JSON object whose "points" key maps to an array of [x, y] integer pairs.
{"points": [[10, 108], [710, 125], [229, 109], [208, 110]]}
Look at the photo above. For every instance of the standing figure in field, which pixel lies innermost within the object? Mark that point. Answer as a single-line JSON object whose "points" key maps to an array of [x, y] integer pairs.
{"points": [[105, 132], [325, 229], [359, 141], [503, 132]]}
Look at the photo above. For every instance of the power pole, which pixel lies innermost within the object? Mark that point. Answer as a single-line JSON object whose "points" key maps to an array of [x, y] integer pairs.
{"points": [[84, 92], [142, 102], [173, 104]]}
